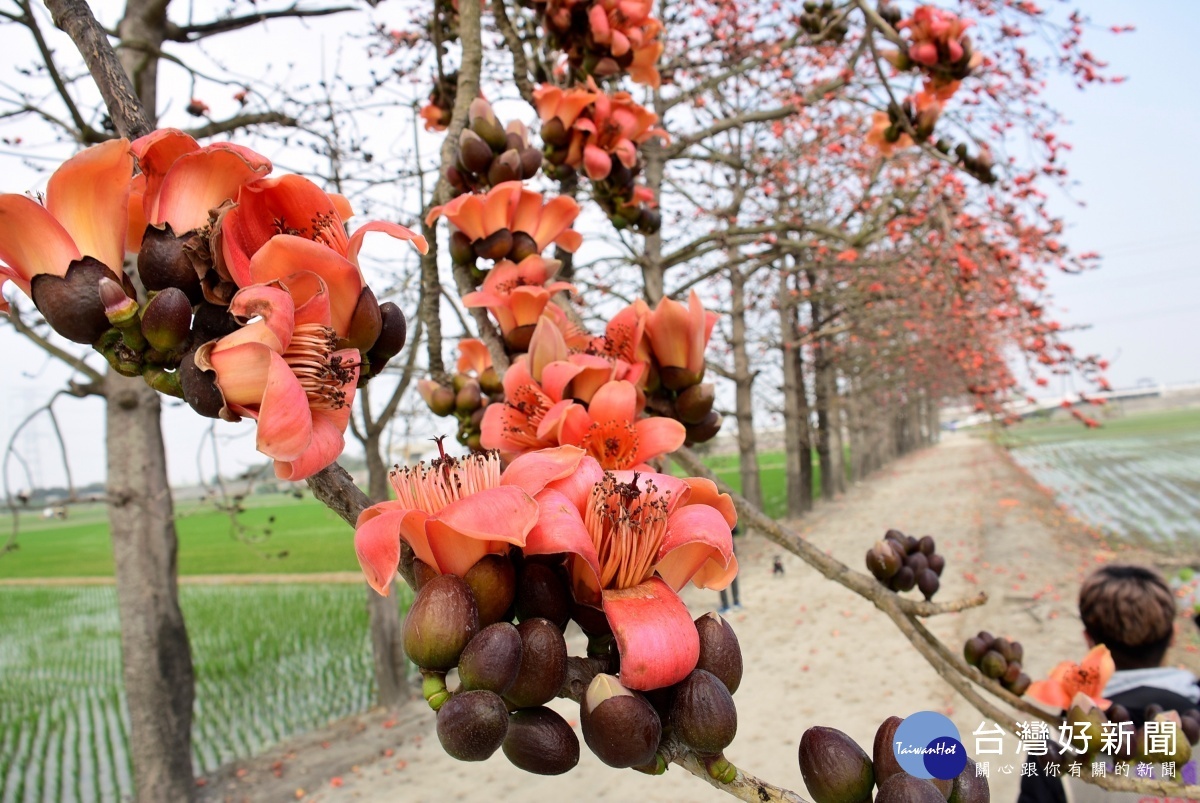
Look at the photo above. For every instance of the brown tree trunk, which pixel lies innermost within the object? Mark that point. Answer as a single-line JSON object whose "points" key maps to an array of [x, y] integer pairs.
{"points": [[384, 612], [156, 658], [653, 271], [796, 448], [743, 379]]}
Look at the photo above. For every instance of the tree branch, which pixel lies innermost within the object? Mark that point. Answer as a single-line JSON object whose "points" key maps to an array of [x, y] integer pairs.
{"points": [[215, 127], [75, 18], [193, 33]]}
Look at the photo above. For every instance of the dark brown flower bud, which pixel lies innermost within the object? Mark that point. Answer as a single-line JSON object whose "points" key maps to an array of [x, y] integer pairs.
{"points": [[495, 246], [366, 323], [835, 768], [703, 713], [473, 152], [493, 582], [720, 652], [695, 403], [471, 725], [543, 664], [619, 726], [167, 320], [540, 741], [441, 622], [492, 659]]}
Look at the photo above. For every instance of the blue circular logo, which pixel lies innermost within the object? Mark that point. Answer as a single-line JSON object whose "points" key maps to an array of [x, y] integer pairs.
{"points": [[927, 745]]}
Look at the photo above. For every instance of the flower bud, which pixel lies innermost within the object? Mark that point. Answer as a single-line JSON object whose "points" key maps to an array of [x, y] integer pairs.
{"points": [[493, 583], [490, 382], [993, 665], [495, 246], [540, 741], [505, 167], [543, 664], [694, 404], [441, 622], [439, 398], [200, 389], [471, 725], [703, 713], [620, 727], [366, 323], [489, 129], [928, 582], [492, 659], [555, 134], [473, 152], [461, 250], [883, 755], [720, 652], [167, 320], [531, 163], [541, 593], [970, 787], [523, 245], [468, 399], [118, 308], [835, 768], [882, 561], [706, 430]]}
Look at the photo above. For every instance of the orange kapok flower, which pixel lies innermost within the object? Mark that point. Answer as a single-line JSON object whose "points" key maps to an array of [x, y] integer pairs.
{"points": [[1069, 678], [633, 540], [509, 206], [610, 429], [284, 370], [85, 215], [455, 511], [182, 182], [517, 293]]}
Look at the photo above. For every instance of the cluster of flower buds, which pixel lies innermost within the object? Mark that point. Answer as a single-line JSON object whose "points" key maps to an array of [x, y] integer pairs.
{"points": [[999, 659], [837, 770], [605, 38], [471, 390], [551, 539], [902, 562], [251, 301], [585, 128], [490, 154], [980, 166], [822, 20]]}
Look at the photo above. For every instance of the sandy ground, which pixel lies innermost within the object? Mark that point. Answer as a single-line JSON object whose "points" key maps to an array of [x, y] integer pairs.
{"points": [[815, 653]]}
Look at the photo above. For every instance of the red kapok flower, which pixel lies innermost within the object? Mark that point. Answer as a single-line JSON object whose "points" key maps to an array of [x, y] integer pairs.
{"points": [[85, 215], [633, 540], [509, 206], [284, 370], [1069, 678], [610, 430], [181, 182], [516, 294], [455, 511]]}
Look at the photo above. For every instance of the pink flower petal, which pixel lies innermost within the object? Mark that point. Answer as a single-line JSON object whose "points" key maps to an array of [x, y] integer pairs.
{"points": [[615, 401], [658, 436], [273, 304], [377, 543], [394, 230], [327, 443], [203, 180], [695, 534], [658, 643], [560, 529], [32, 242], [533, 471], [285, 424], [284, 255], [89, 196]]}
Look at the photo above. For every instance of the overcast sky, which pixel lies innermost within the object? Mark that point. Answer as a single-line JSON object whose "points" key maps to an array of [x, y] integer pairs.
{"points": [[1134, 162]]}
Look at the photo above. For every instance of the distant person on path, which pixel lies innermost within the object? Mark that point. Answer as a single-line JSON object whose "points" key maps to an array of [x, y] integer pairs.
{"points": [[733, 587], [1130, 610]]}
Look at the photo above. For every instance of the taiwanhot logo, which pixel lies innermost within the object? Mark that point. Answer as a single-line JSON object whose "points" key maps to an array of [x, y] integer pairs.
{"points": [[927, 745]]}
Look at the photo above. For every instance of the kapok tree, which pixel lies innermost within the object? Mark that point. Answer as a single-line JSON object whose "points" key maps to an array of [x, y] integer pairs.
{"points": [[559, 512]]}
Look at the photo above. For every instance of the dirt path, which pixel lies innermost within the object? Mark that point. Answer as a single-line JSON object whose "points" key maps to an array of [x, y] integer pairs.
{"points": [[815, 653]]}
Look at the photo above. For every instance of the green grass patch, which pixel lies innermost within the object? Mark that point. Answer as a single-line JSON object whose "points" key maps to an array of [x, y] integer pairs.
{"points": [[276, 534], [271, 661]]}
